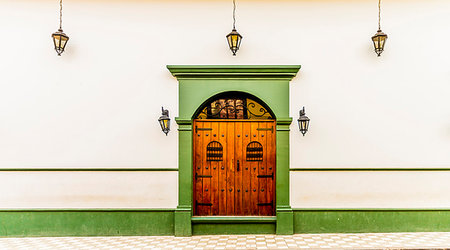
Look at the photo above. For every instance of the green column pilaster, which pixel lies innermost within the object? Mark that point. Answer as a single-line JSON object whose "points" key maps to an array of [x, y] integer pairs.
{"points": [[183, 213], [285, 215]]}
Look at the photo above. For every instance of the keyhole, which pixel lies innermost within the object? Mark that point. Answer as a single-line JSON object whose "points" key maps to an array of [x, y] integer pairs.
{"points": [[262, 190], [206, 190], [214, 167], [222, 190], [207, 168], [254, 190], [222, 167], [239, 190], [214, 135], [262, 135]]}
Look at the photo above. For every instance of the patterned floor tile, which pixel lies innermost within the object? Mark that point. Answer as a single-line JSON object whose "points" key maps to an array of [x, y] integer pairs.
{"points": [[438, 240]]}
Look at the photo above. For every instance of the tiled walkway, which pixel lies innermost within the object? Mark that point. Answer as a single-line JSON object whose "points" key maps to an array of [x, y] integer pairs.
{"points": [[297, 241]]}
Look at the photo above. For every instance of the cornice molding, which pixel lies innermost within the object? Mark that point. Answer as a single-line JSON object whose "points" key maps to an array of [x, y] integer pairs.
{"points": [[234, 71]]}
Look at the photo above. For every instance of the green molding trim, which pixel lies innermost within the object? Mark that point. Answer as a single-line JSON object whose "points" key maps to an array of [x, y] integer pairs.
{"points": [[91, 169], [85, 222], [370, 209], [87, 210], [234, 71], [371, 220], [233, 219], [284, 121], [368, 169]]}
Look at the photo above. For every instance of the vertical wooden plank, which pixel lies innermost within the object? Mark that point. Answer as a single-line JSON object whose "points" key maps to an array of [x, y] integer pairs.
{"points": [[230, 168], [246, 170], [197, 167], [238, 169], [222, 169], [262, 197], [271, 165], [206, 168], [215, 165], [254, 173]]}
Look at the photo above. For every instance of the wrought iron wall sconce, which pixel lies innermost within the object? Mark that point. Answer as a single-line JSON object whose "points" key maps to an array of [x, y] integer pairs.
{"points": [[303, 122], [164, 121]]}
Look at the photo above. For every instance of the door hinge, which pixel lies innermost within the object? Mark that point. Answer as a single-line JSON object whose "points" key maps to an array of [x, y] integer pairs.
{"points": [[201, 129], [202, 176], [266, 176], [204, 204], [267, 129], [266, 204]]}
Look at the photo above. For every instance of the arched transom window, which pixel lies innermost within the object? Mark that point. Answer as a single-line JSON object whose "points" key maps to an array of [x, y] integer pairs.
{"points": [[234, 107]]}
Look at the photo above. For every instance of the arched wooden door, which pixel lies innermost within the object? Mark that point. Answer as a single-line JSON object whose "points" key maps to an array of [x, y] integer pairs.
{"points": [[234, 165]]}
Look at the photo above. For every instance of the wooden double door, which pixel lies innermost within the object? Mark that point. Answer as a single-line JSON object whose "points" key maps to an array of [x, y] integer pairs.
{"points": [[234, 167]]}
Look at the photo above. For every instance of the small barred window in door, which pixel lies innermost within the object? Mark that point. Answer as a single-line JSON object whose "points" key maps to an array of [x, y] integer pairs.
{"points": [[214, 151], [254, 151]]}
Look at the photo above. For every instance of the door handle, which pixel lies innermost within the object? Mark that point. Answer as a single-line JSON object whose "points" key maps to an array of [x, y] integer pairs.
{"points": [[237, 165]]}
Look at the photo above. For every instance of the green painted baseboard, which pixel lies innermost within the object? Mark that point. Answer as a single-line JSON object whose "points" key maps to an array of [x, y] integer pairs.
{"points": [[371, 220], [140, 222], [78, 222], [233, 228]]}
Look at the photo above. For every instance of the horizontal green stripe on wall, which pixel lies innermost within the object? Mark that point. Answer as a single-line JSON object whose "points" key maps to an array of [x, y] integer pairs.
{"points": [[90, 222], [366, 169], [91, 169], [371, 221]]}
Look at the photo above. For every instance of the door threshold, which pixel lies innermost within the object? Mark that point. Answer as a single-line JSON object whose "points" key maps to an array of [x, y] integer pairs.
{"points": [[233, 219]]}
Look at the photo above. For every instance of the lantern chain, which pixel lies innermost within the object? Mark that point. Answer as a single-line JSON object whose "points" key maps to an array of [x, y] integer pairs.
{"points": [[60, 14], [379, 14], [234, 14]]}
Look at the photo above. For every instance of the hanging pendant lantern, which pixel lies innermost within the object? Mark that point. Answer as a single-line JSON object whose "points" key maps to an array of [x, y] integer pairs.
{"points": [[234, 41], [60, 40], [59, 37], [234, 38], [379, 39]]}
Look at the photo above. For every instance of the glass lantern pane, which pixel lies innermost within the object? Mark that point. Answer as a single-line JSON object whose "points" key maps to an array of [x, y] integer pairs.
{"points": [[234, 39]]}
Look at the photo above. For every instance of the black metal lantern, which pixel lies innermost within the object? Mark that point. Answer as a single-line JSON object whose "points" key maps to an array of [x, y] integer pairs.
{"points": [[59, 37], [234, 38], [234, 41], [164, 121], [379, 39], [303, 122], [60, 40]]}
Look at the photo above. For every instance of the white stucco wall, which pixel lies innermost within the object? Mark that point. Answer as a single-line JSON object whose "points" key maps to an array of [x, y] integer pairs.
{"points": [[97, 105]]}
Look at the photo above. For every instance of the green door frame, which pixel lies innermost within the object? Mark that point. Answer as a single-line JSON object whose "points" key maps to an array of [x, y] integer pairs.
{"points": [[199, 83]]}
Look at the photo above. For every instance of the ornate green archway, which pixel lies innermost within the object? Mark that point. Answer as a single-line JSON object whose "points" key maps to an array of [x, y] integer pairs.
{"points": [[197, 84]]}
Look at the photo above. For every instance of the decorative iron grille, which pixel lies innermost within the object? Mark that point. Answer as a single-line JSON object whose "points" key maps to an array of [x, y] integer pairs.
{"points": [[214, 151], [234, 108], [254, 151]]}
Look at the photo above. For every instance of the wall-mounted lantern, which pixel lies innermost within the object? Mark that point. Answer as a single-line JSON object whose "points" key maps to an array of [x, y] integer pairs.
{"points": [[59, 37], [164, 121], [234, 38], [303, 122], [379, 39]]}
